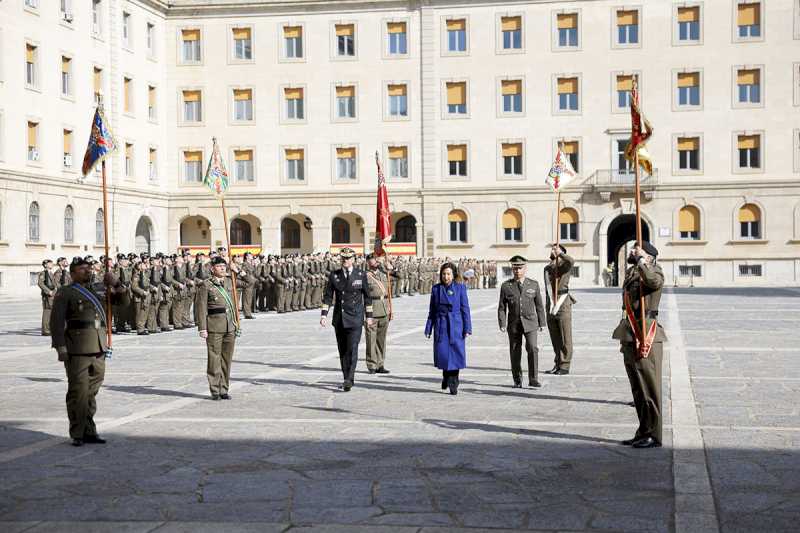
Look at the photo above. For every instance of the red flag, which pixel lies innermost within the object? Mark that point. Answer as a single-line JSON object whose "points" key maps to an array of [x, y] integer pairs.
{"points": [[641, 130], [383, 227]]}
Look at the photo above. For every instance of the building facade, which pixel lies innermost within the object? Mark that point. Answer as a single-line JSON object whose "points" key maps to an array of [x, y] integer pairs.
{"points": [[463, 104]]}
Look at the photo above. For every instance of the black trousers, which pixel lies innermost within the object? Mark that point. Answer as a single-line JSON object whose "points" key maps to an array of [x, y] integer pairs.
{"points": [[347, 340], [515, 338]]}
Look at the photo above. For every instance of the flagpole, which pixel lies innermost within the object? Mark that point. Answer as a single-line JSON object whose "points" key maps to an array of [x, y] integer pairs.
{"points": [[230, 260], [389, 277], [558, 234], [639, 242], [105, 244]]}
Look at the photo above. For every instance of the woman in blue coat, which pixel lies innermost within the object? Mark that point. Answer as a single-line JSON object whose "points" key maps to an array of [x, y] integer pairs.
{"points": [[449, 321]]}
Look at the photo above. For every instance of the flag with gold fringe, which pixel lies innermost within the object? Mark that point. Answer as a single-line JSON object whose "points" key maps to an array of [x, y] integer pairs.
{"points": [[641, 131]]}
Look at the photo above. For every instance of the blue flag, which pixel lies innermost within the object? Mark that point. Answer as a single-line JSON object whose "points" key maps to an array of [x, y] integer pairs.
{"points": [[101, 143]]}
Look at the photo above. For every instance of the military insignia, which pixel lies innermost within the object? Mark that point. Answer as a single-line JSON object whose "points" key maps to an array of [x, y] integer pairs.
{"points": [[450, 292], [357, 283], [529, 291]]}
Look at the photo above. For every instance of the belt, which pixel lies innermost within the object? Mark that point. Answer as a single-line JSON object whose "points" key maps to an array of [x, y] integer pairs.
{"points": [[81, 324], [217, 311], [563, 291]]}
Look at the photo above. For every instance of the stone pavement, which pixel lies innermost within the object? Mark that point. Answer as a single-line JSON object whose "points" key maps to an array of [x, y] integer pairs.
{"points": [[291, 451]]}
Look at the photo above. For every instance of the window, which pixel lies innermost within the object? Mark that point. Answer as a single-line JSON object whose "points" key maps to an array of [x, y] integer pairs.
{"points": [[748, 83], [690, 271], [346, 101], [294, 103], [190, 46], [126, 29], [67, 149], [398, 101], [340, 231], [512, 159], [457, 98], [688, 89], [31, 67], [398, 37], [572, 150], [398, 161], [748, 20], [750, 270], [97, 17], [294, 164], [567, 94], [749, 147], [576, 271], [512, 32], [512, 226], [567, 24], [151, 39], [152, 112], [33, 141], [66, 10], [128, 160], [33, 4], [244, 165], [689, 24], [33, 278], [69, 224], [345, 40], [33, 222], [623, 168], [624, 88], [97, 83], [127, 94], [152, 164], [456, 35], [457, 220], [293, 41], [568, 224], [512, 96], [243, 104], [242, 44], [749, 222], [192, 162], [689, 223], [192, 106], [627, 27], [99, 228], [66, 76], [346, 163], [689, 153], [457, 159]]}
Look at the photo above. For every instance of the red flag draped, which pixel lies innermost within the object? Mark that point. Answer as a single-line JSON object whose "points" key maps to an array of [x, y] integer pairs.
{"points": [[383, 227]]}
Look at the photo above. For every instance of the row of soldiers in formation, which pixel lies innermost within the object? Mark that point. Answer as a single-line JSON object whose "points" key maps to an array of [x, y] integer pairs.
{"points": [[161, 289]]}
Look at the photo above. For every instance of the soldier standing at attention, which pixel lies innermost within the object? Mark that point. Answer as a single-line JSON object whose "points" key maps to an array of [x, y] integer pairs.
{"points": [[215, 316], [78, 323], [350, 287], [62, 275], [519, 313], [644, 277], [378, 279], [47, 285], [559, 310], [140, 287], [123, 272]]}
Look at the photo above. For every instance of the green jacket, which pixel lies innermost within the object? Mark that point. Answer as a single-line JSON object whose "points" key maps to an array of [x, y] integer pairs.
{"points": [[77, 323], [213, 311]]}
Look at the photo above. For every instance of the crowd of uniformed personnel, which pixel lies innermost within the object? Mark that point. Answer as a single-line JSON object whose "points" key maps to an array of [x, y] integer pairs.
{"points": [[161, 288]]}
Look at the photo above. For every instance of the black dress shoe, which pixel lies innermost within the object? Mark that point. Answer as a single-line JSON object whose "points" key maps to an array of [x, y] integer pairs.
{"points": [[535, 384], [93, 439], [517, 385], [561, 372], [225, 396], [251, 317], [453, 385], [647, 442], [444, 383], [215, 397], [371, 370], [77, 442], [553, 370], [141, 333], [381, 370], [347, 386], [629, 442]]}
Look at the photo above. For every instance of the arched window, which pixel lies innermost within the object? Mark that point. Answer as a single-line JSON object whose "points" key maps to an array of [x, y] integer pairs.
{"points": [[69, 224], [340, 231], [99, 232], [512, 225], [750, 222], [406, 229], [568, 224], [240, 232], [457, 220], [290, 233], [33, 222], [689, 222]]}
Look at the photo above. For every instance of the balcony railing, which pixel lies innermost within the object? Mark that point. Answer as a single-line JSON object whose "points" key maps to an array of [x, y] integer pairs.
{"points": [[621, 180]]}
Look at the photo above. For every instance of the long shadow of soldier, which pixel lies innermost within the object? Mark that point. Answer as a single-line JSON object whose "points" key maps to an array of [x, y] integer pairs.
{"points": [[456, 424]]}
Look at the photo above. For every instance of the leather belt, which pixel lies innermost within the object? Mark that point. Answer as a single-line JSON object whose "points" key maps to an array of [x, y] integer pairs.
{"points": [[216, 311], [74, 323]]}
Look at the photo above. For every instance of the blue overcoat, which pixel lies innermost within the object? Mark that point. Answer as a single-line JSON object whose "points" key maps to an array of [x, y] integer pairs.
{"points": [[449, 320]]}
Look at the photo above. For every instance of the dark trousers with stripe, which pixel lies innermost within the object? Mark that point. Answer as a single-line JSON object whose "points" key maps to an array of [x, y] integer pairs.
{"points": [[347, 340]]}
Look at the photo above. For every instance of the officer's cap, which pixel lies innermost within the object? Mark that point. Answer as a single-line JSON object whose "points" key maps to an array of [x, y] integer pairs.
{"points": [[518, 260], [218, 261], [649, 248], [347, 253]]}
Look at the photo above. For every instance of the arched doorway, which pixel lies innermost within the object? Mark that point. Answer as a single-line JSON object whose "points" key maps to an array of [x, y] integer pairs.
{"points": [[405, 229], [621, 238], [144, 235], [241, 232], [296, 234], [340, 231], [195, 231]]}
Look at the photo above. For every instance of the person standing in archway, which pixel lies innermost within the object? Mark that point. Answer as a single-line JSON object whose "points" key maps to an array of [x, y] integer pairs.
{"points": [[559, 308]]}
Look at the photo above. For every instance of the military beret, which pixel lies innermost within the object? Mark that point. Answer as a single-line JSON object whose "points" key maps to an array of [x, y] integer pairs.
{"points": [[173, 256], [649, 248], [219, 261], [78, 261], [347, 253], [200, 254], [144, 255], [46, 261], [518, 260], [131, 256], [221, 249], [186, 253], [560, 247], [121, 256], [60, 259], [370, 256]]}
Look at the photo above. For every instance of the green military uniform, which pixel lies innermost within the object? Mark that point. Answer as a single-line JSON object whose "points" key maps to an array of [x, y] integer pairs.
{"points": [[216, 314], [376, 334], [559, 312], [140, 287], [47, 286], [644, 374]]}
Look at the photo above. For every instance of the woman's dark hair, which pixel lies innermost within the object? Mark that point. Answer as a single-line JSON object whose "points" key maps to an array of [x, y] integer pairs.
{"points": [[452, 267]]}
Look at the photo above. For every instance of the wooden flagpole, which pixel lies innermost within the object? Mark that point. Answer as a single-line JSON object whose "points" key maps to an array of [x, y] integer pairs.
{"points": [[558, 232], [230, 262], [388, 277], [639, 241], [106, 247]]}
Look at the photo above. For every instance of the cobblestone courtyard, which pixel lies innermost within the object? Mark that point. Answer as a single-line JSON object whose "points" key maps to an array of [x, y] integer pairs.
{"points": [[291, 451]]}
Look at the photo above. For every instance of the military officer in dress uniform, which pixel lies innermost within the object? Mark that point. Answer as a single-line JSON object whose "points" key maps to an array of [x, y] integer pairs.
{"points": [[559, 310], [47, 286], [519, 313], [378, 279], [643, 277], [215, 316], [351, 288], [78, 324]]}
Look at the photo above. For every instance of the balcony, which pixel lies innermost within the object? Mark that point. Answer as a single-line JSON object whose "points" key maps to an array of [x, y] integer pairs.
{"points": [[621, 181]]}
